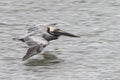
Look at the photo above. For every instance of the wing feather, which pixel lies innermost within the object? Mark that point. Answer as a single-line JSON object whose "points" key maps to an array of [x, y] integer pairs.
{"points": [[39, 28], [32, 51], [37, 44]]}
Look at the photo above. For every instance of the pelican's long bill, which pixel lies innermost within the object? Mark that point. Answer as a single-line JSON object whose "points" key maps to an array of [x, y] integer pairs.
{"points": [[61, 32]]}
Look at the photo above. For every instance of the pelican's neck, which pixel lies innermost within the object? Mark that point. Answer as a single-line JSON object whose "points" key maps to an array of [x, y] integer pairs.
{"points": [[49, 37]]}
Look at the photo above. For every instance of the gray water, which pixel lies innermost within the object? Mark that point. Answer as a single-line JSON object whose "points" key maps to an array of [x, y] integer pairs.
{"points": [[94, 56]]}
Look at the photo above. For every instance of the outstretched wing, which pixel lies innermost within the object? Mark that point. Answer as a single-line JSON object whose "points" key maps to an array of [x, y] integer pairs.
{"points": [[33, 51], [39, 28], [37, 44], [24, 38]]}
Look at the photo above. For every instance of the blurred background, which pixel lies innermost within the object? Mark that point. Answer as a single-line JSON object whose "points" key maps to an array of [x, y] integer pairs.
{"points": [[94, 56]]}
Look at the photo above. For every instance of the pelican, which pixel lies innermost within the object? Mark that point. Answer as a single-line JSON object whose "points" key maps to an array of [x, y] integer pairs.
{"points": [[38, 38]]}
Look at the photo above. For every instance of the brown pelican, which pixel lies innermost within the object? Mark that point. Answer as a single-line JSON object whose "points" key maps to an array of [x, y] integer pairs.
{"points": [[39, 37]]}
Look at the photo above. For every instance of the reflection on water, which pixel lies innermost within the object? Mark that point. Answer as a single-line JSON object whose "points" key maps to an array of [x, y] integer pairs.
{"points": [[49, 59]]}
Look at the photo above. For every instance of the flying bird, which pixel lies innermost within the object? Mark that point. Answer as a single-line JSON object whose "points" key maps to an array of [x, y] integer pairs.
{"points": [[38, 37]]}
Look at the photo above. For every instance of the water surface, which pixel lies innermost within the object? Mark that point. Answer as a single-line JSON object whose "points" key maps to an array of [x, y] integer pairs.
{"points": [[94, 56]]}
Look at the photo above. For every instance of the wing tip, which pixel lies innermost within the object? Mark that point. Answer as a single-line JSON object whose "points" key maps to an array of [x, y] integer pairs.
{"points": [[25, 58]]}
